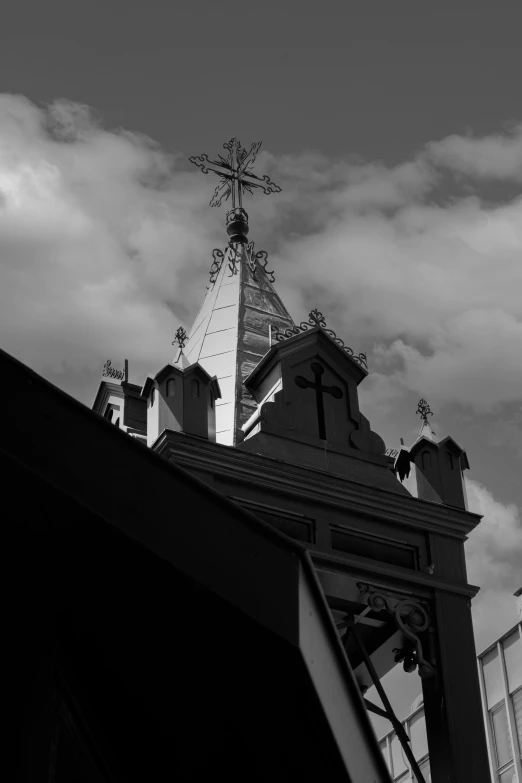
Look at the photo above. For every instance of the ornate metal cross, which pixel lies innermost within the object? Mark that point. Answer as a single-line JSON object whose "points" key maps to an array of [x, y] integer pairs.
{"points": [[180, 337], [335, 391], [235, 173], [424, 410]]}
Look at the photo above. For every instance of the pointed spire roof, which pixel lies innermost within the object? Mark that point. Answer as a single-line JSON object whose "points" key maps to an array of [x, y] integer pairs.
{"points": [[231, 332]]}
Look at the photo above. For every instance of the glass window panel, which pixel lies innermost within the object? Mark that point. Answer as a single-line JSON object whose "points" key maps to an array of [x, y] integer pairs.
{"points": [[493, 678], [425, 769], [517, 709], [384, 750], [501, 734], [508, 776], [419, 738], [513, 657], [397, 753]]}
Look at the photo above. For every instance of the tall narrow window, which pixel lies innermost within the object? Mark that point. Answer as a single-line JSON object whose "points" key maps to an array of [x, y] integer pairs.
{"points": [[517, 709], [512, 648], [194, 386], [152, 397], [503, 747], [171, 387], [451, 462], [211, 400], [426, 459]]}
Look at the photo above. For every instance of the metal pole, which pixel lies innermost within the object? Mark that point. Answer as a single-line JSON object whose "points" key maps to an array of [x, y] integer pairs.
{"points": [[397, 725]]}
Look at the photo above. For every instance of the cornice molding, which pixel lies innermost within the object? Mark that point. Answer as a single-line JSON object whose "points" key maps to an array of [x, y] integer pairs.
{"points": [[394, 576], [305, 482]]}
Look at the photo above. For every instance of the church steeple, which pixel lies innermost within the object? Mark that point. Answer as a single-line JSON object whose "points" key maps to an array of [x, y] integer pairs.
{"points": [[231, 332]]}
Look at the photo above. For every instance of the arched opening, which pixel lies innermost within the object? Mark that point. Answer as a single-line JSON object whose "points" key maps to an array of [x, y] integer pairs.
{"points": [[426, 459], [171, 387], [194, 387]]}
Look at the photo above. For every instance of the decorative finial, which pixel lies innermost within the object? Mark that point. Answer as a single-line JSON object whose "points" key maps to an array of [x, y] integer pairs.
{"points": [[424, 410], [235, 177], [316, 318], [180, 338], [112, 372]]}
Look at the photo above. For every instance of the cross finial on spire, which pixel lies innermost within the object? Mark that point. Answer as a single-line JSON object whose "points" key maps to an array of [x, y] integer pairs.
{"points": [[235, 177], [180, 338], [235, 173], [424, 410]]}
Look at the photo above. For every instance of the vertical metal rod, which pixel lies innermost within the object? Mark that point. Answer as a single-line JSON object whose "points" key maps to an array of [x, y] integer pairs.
{"points": [[397, 725]]}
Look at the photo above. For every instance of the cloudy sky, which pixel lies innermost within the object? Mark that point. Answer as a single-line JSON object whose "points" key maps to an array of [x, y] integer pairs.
{"points": [[395, 132]]}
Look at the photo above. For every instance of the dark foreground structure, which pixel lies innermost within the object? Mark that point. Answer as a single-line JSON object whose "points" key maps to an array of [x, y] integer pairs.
{"points": [[160, 630]]}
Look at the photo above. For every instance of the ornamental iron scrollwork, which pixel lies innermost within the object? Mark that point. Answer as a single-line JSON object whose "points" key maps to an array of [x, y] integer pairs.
{"points": [[424, 410], [235, 173], [234, 258], [316, 318], [112, 372], [411, 618], [180, 337], [217, 256], [260, 258]]}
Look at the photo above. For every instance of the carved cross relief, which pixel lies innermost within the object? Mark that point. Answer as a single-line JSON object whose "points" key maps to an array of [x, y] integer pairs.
{"points": [[320, 390]]}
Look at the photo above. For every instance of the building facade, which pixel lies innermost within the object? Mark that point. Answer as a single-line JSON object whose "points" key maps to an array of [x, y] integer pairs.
{"points": [[500, 674]]}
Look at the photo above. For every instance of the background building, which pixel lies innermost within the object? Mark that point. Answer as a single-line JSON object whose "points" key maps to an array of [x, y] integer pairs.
{"points": [[500, 672]]}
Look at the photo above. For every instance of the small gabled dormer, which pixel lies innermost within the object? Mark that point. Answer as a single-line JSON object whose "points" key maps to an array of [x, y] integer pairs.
{"points": [[306, 389], [182, 398], [120, 402], [439, 466]]}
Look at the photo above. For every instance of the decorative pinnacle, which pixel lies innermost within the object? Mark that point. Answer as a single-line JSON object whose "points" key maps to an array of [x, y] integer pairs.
{"points": [[112, 372], [180, 338], [424, 410], [235, 173]]}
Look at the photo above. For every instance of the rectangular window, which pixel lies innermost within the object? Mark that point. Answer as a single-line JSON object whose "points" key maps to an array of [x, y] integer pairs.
{"points": [[425, 769], [419, 737], [517, 709], [398, 758], [508, 776], [289, 522], [375, 548], [512, 647], [499, 723], [384, 748], [493, 680]]}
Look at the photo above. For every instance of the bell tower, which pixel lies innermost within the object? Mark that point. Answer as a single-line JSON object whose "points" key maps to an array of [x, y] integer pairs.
{"points": [[288, 441]]}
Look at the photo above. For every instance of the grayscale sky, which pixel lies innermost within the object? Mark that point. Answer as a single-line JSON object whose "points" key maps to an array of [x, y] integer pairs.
{"points": [[395, 131]]}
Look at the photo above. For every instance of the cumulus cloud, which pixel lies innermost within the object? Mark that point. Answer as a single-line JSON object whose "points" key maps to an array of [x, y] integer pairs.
{"points": [[498, 156], [426, 280], [105, 244], [493, 556], [96, 228]]}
